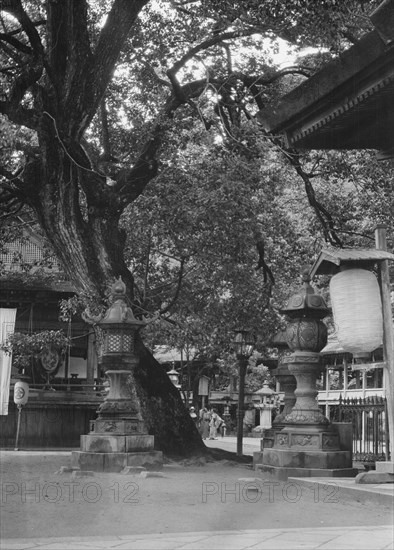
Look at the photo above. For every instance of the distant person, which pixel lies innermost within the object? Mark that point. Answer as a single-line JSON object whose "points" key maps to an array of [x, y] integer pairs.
{"points": [[205, 417], [214, 424], [193, 416]]}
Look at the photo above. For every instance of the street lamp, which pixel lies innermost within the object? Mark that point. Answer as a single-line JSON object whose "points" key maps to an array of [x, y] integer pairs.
{"points": [[243, 345]]}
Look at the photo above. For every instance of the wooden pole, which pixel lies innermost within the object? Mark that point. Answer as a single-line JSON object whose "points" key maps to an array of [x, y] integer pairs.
{"points": [[91, 360], [388, 332], [243, 363], [18, 427]]}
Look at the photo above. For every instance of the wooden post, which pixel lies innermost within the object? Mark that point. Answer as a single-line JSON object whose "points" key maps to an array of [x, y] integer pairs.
{"points": [[388, 333], [243, 363], [91, 360], [18, 427]]}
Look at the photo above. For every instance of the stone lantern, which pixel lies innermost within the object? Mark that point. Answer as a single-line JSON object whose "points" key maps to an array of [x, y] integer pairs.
{"points": [[118, 437], [266, 397], [306, 336], [307, 445], [120, 412]]}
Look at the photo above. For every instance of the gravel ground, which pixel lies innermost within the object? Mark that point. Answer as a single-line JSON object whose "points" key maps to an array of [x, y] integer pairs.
{"points": [[191, 495]]}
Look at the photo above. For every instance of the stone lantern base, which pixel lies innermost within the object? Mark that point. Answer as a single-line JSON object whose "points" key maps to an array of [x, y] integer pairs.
{"points": [[307, 452], [308, 445], [118, 437], [113, 452], [117, 461]]}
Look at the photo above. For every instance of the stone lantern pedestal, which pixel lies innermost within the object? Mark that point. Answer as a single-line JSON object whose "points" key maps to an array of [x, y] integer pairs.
{"points": [[308, 444], [118, 438], [288, 385]]}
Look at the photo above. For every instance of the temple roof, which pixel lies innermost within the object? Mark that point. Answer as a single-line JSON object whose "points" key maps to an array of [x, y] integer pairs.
{"points": [[349, 104], [330, 259]]}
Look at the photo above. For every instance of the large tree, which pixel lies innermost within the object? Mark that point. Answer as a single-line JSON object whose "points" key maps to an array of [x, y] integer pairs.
{"points": [[98, 97]]}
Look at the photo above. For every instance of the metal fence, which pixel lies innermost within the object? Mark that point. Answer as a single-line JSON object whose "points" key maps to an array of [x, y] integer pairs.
{"points": [[370, 427]]}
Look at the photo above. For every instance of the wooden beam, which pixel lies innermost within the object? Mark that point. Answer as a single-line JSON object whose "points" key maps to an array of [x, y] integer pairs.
{"points": [[388, 332]]}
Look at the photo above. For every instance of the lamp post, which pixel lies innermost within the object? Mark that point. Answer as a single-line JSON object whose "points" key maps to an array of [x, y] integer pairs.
{"points": [[243, 344]]}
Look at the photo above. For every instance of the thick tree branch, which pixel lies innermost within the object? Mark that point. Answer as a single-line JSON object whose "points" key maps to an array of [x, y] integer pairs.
{"points": [[29, 76], [132, 182], [79, 55], [178, 288], [10, 176], [262, 263], [274, 75], [206, 44], [83, 100], [57, 37], [12, 54], [323, 215], [20, 46], [19, 115], [30, 73], [106, 142], [15, 8]]}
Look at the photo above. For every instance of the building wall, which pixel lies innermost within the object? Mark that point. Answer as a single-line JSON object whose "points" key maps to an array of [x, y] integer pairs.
{"points": [[48, 424]]}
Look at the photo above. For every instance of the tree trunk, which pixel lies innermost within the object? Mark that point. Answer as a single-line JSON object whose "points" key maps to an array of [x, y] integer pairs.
{"points": [[165, 414]]}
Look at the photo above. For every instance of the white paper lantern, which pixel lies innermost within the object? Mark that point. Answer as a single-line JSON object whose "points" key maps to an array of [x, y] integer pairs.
{"points": [[357, 310], [21, 392]]}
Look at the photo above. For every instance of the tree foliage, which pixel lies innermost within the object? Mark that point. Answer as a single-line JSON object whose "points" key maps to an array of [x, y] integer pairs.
{"points": [[95, 88]]}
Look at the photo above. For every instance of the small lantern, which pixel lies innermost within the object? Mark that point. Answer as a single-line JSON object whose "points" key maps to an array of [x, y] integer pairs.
{"points": [[174, 377], [21, 393], [266, 394], [118, 326], [244, 343], [357, 310]]}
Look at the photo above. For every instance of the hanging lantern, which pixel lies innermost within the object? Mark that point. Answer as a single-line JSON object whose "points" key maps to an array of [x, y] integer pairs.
{"points": [[357, 310], [21, 392], [173, 376]]}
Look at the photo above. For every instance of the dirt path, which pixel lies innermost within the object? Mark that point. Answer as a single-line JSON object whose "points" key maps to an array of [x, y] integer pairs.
{"points": [[189, 496]]}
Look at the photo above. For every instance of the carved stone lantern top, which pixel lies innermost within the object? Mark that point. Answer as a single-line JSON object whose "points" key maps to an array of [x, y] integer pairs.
{"points": [[119, 312], [305, 303]]}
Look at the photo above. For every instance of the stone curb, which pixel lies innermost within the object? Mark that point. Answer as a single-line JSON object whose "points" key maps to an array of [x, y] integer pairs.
{"points": [[348, 492]]}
